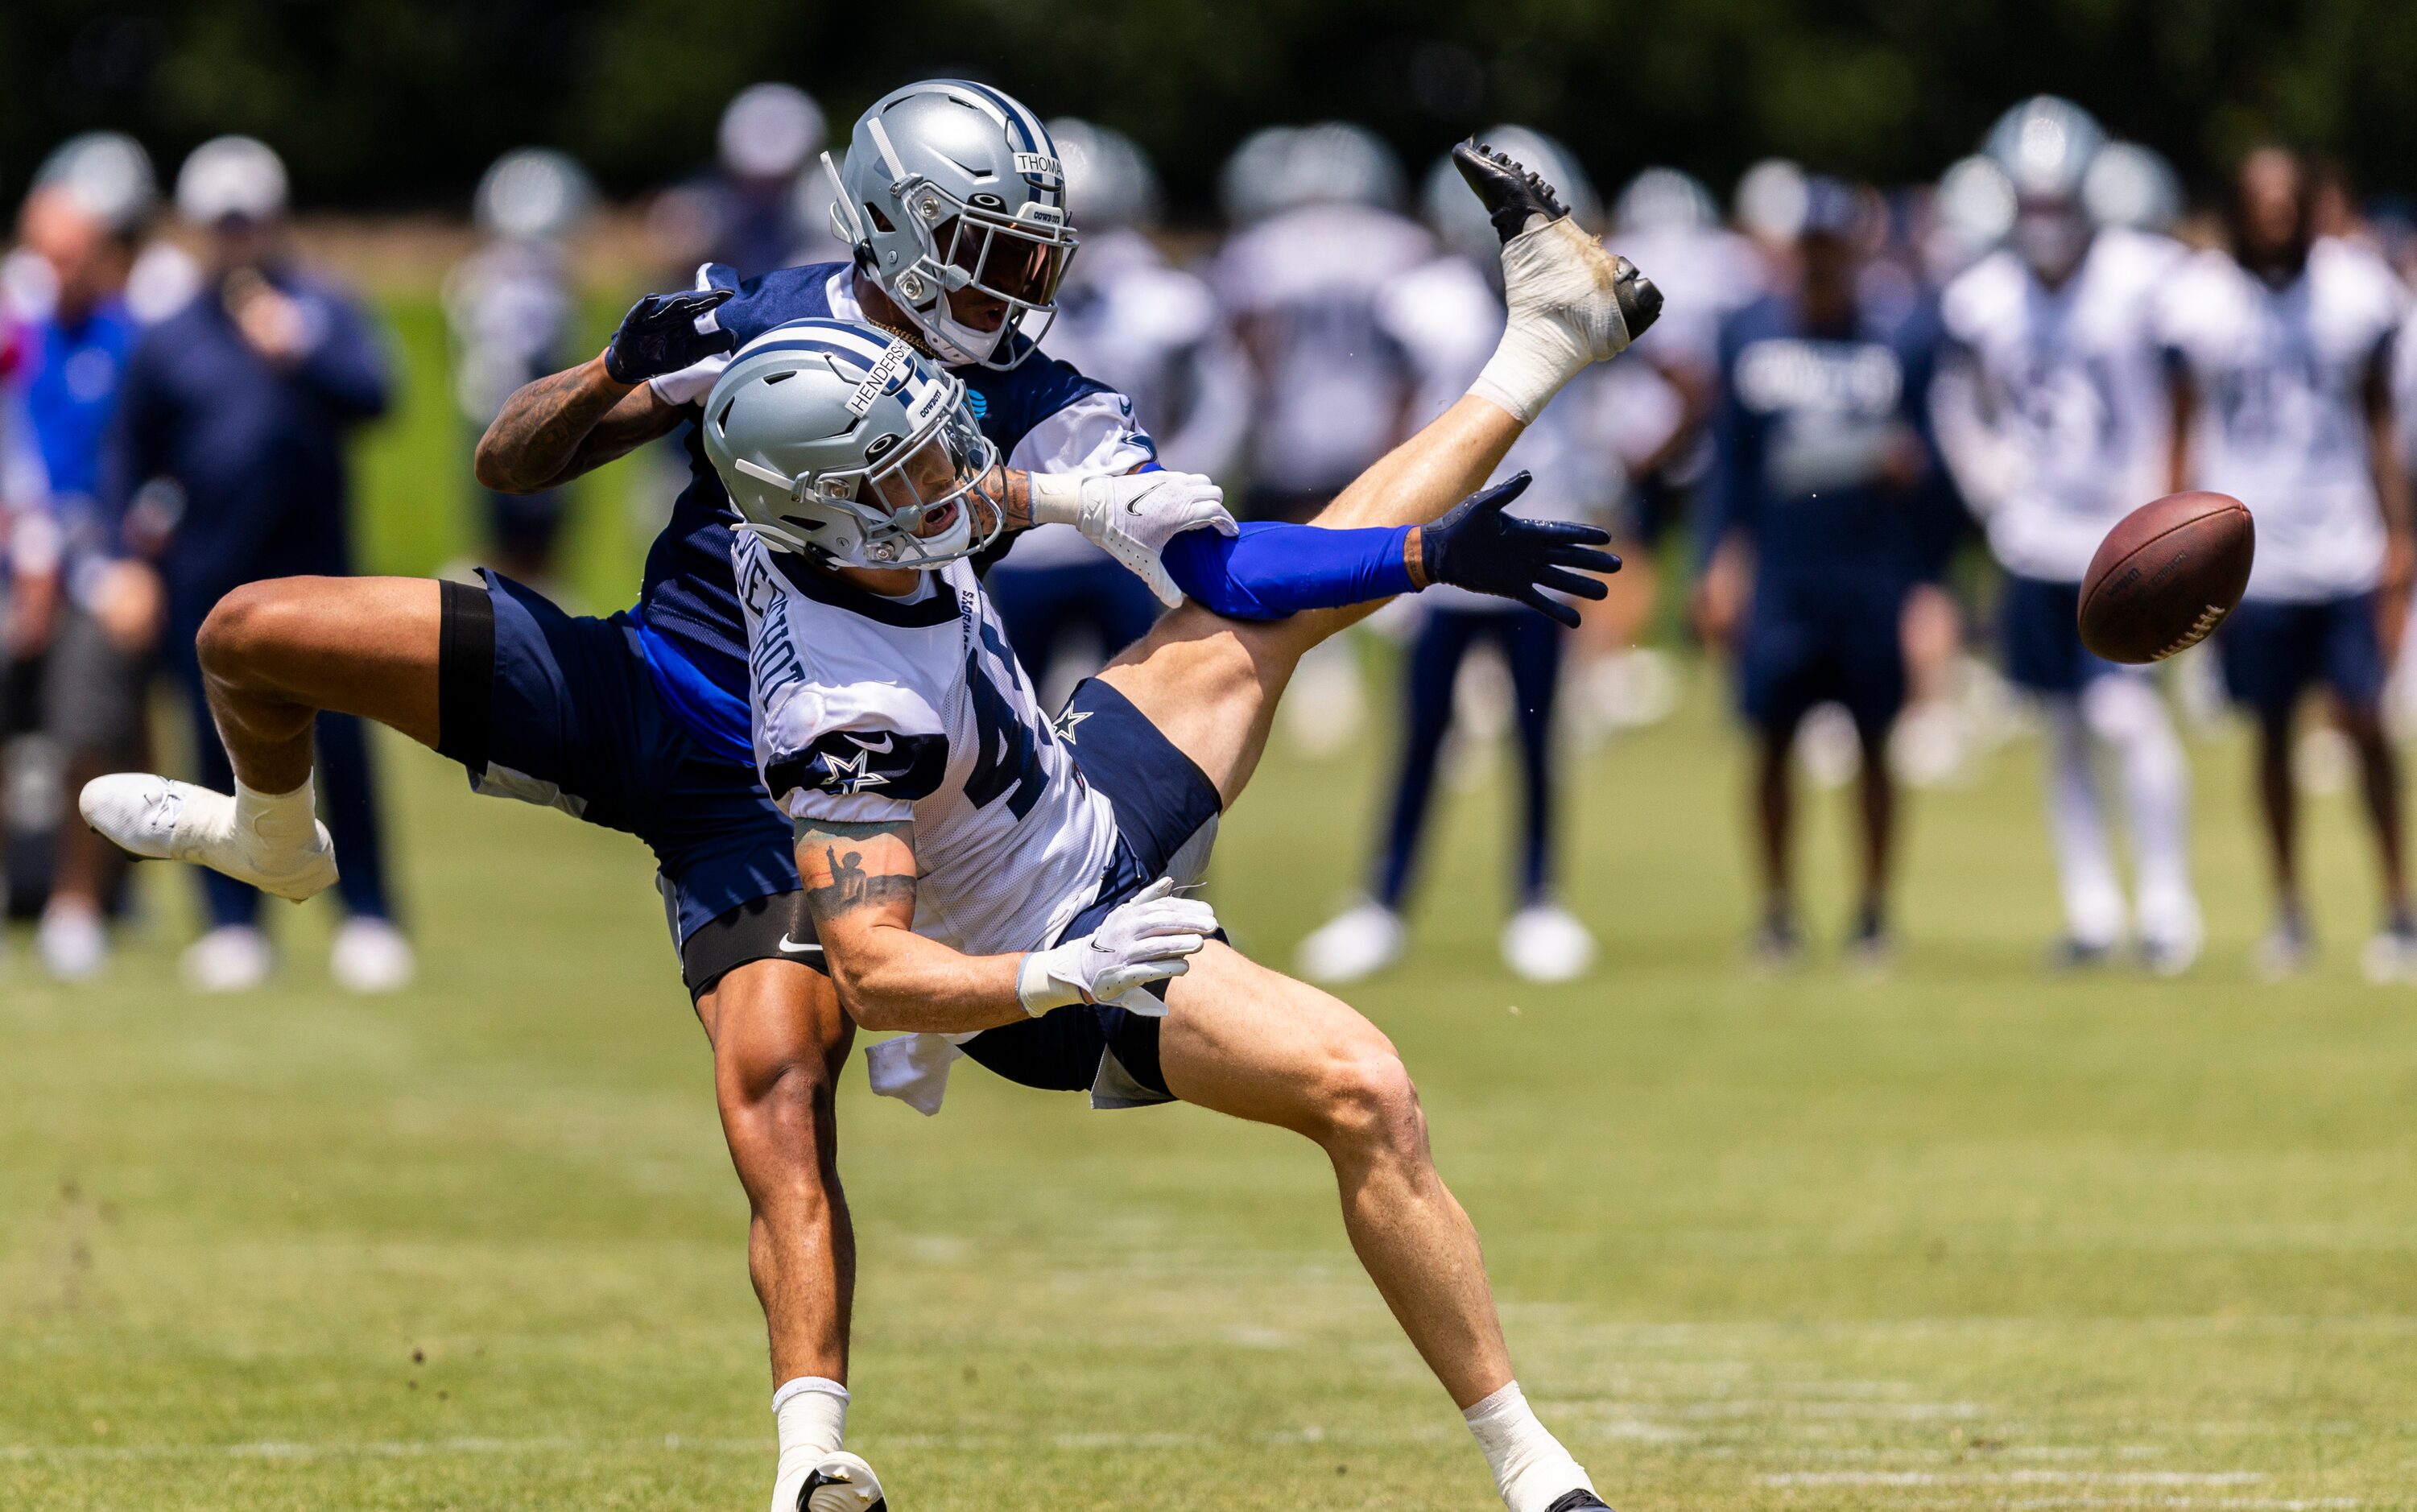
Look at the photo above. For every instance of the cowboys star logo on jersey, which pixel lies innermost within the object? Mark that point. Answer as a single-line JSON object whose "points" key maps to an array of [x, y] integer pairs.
{"points": [[850, 762]]}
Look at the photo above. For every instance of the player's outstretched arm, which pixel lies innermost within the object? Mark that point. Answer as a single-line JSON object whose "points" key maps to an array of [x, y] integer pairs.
{"points": [[859, 882], [1270, 571], [556, 428]]}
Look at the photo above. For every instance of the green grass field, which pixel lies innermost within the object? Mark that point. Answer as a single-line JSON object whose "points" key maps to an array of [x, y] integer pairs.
{"points": [[1970, 1237]]}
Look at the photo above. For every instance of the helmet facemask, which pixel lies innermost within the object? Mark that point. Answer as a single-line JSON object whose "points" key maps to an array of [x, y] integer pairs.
{"points": [[1017, 261]]}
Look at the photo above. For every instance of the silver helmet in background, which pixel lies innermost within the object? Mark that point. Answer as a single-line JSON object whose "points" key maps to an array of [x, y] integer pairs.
{"points": [[533, 194], [1110, 185]]}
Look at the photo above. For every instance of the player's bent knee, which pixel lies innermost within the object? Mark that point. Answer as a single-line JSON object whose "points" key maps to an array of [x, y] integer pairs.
{"points": [[251, 622], [1366, 1102]]}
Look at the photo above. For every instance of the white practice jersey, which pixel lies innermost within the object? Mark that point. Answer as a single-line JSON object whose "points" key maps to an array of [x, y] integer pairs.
{"points": [[872, 710], [2072, 380], [2281, 422], [1446, 317], [1302, 287]]}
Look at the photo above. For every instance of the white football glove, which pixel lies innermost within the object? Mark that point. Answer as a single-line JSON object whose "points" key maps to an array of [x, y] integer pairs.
{"points": [[1131, 516], [1147, 938]]}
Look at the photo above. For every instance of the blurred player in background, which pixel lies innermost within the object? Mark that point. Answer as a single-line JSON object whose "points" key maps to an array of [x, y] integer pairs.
{"points": [[1151, 331], [1445, 315], [233, 428], [2283, 397], [1823, 485], [78, 622], [2051, 408], [1659, 404], [513, 308], [755, 212], [1317, 237]]}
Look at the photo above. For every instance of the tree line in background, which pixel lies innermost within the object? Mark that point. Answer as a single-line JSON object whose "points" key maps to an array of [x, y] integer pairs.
{"points": [[393, 104]]}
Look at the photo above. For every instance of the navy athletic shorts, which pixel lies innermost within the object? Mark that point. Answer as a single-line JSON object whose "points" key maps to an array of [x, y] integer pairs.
{"points": [[560, 710], [2043, 630], [1166, 820], [1815, 641], [2274, 652]]}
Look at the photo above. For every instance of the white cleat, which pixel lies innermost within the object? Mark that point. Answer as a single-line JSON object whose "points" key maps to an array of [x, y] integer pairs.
{"points": [[233, 958], [1356, 943], [71, 941], [841, 1483], [1545, 943], [170, 821], [370, 955]]}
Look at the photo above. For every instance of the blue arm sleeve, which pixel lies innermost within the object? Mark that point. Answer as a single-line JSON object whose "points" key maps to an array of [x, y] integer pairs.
{"points": [[1272, 571]]}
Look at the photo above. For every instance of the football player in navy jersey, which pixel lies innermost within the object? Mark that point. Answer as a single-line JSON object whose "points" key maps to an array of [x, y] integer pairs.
{"points": [[953, 200], [1825, 478]]}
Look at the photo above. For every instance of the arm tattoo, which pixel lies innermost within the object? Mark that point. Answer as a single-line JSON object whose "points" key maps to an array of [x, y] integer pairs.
{"points": [[851, 886], [557, 427]]}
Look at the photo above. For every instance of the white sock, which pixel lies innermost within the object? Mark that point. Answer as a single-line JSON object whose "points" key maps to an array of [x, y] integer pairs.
{"points": [[282, 821], [1563, 317], [2127, 713], [812, 1412], [2085, 865], [1530, 1468]]}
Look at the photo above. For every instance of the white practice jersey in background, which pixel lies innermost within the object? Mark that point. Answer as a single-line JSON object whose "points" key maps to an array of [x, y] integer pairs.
{"points": [[1446, 317], [871, 710], [1303, 288], [2281, 422], [2074, 382], [1153, 333]]}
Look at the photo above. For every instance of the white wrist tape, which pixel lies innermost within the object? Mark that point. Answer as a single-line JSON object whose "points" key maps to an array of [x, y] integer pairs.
{"points": [[1056, 498], [1039, 988]]}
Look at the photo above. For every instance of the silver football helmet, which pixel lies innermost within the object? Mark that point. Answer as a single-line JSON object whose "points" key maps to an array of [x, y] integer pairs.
{"points": [[533, 194], [2045, 144], [840, 443], [2130, 185], [1109, 180], [951, 185], [1664, 198], [108, 173]]}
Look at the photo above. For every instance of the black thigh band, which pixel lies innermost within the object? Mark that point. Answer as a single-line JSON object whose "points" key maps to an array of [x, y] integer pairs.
{"points": [[466, 672], [768, 929]]}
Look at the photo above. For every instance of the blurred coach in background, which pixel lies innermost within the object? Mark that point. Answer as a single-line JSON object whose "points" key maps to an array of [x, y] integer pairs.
{"points": [[228, 467]]}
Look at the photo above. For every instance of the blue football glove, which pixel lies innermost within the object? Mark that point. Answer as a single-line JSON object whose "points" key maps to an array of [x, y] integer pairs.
{"points": [[659, 335], [1478, 547]]}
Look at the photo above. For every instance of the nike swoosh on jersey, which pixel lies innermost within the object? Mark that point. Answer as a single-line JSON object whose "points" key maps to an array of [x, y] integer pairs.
{"points": [[789, 947], [863, 744]]}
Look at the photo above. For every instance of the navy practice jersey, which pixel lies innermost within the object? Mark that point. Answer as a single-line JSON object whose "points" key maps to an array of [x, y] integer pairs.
{"points": [[1041, 415], [1804, 424]]}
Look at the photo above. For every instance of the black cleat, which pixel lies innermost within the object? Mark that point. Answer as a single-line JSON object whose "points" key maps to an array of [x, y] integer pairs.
{"points": [[1515, 196], [1511, 192], [1578, 1500]]}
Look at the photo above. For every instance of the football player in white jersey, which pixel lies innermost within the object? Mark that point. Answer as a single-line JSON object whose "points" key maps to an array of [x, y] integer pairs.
{"points": [[2283, 398], [2051, 410], [1299, 283], [1002, 888]]}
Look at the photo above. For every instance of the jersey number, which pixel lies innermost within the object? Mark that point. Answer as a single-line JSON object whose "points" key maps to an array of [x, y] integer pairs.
{"points": [[1007, 754]]}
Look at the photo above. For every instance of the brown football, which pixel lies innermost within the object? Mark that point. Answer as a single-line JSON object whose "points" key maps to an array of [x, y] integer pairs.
{"points": [[2165, 576]]}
